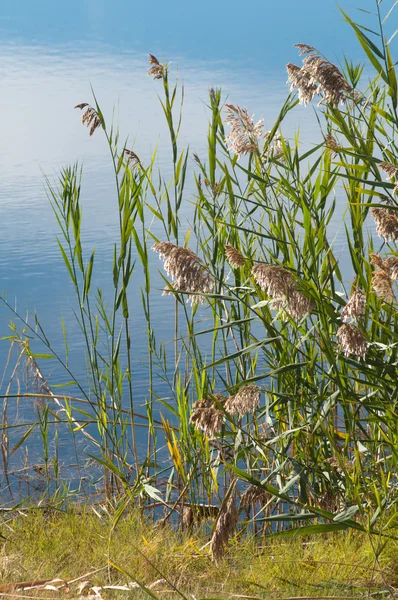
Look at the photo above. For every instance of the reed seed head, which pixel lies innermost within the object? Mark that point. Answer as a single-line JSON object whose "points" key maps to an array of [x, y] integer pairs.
{"points": [[244, 135], [224, 529], [275, 146], [247, 399], [234, 257], [355, 307], [386, 223], [391, 264], [390, 169], [279, 283], [332, 145], [376, 260], [352, 340], [157, 69], [382, 278], [90, 117], [303, 81], [276, 281], [253, 495], [318, 76], [392, 173], [207, 416], [187, 270], [296, 304], [132, 159], [382, 285]]}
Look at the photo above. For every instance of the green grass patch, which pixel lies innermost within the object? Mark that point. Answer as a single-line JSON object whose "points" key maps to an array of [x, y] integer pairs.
{"points": [[42, 545]]}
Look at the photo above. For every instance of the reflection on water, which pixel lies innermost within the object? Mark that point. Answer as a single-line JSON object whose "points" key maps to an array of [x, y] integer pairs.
{"points": [[44, 132], [43, 79]]}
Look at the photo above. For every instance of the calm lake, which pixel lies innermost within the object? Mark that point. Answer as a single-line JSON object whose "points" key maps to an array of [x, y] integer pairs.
{"points": [[52, 52]]}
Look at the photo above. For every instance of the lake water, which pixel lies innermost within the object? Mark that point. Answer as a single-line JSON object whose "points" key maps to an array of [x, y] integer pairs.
{"points": [[52, 52]]}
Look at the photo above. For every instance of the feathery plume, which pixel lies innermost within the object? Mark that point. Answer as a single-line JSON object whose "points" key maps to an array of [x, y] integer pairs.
{"points": [[90, 117], [355, 307], [276, 281], [304, 83], [332, 145], [318, 76], [234, 257], [187, 270], [157, 68], [305, 49], [391, 171], [244, 135], [254, 494], [296, 304], [392, 265], [279, 283], [383, 277], [207, 416], [377, 261], [386, 223], [275, 147], [132, 159], [225, 527], [382, 285], [247, 399], [352, 340]]}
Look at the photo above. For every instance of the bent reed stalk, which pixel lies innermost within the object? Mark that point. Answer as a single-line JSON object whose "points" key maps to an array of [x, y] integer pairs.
{"points": [[288, 400]]}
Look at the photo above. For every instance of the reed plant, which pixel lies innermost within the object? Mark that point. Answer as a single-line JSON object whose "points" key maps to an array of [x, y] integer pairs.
{"points": [[281, 412]]}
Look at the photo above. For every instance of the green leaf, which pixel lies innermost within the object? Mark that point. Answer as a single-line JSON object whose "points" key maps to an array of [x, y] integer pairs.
{"points": [[309, 530], [67, 263], [346, 514], [22, 440], [369, 47]]}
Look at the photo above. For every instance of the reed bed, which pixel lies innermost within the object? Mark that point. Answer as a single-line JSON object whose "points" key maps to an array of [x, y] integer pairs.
{"points": [[281, 416]]}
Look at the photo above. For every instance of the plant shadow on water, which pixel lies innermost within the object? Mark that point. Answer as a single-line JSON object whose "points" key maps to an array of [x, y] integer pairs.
{"points": [[274, 408]]}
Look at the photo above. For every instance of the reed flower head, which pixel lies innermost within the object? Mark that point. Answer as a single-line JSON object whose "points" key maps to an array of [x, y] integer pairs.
{"points": [[279, 283], [244, 135], [247, 399], [391, 263], [352, 340], [382, 278], [276, 281], [274, 146], [318, 76], [303, 81], [224, 529], [392, 173], [355, 307], [157, 69], [132, 159], [382, 285], [386, 223], [377, 261], [90, 116], [186, 269], [253, 495], [207, 416], [332, 145], [234, 257], [296, 304]]}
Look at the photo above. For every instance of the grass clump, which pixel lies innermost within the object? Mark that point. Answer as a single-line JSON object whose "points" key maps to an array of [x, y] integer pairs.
{"points": [[42, 545]]}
